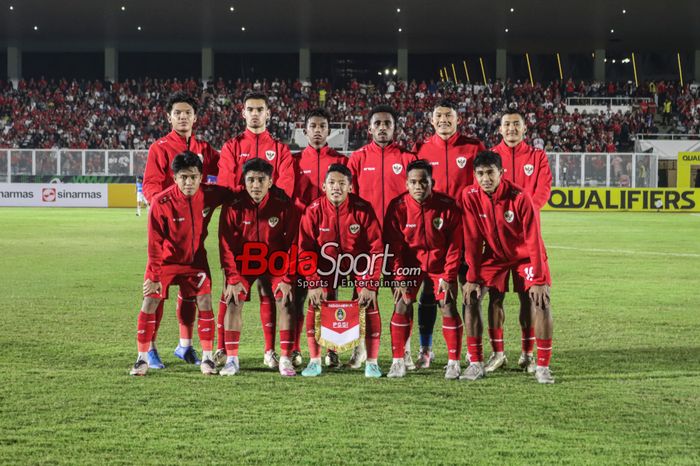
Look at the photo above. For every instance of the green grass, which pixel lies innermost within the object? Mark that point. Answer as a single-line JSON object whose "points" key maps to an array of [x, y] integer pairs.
{"points": [[626, 357]]}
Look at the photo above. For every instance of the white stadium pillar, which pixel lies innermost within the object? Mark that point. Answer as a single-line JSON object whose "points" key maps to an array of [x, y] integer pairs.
{"points": [[501, 64], [599, 65], [111, 64], [304, 63], [207, 64], [402, 61], [14, 65]]}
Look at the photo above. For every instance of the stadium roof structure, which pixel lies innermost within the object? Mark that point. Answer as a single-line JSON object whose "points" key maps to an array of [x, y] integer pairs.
{"points": [[362, 26]]}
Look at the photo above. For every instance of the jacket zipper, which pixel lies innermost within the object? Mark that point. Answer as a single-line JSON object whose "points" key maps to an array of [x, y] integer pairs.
{"points": [[382, 162], [189, 201], [447, 170], [425, 238], [513, 163], [318, 173]]}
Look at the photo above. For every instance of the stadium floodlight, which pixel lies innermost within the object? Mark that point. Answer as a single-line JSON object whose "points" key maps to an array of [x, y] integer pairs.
{"points": [[612, 31], [386, 71], [138, 28], [11, 7], [624, 12], [613, 60], [123, 8], [232, 8], [400, 30], [242, 28], [36, 28], [512, 10], [506, 29], [394, 71], [398, 10]]}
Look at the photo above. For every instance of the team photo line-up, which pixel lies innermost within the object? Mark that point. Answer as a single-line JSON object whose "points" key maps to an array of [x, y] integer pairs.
{"points": [[448, 214]]}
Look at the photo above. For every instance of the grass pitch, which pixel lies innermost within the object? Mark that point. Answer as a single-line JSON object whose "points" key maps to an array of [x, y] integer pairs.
{"points": [[626, 357]]}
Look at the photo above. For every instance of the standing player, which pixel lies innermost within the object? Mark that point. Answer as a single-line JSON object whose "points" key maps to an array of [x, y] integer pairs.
{"points": [[267, 218], [310, 167], [501, 237], [140, 199], [528, 168], [422, 229], [177, 228], [348, 221], [182, 115], [450, 154], [378, 171], [256, 142]]}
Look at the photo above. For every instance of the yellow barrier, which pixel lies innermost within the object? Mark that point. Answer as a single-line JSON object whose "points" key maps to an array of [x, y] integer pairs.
{"points": [[624, 199], [121, 195]]}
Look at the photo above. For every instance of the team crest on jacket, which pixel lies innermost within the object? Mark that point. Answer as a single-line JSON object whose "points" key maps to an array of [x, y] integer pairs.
{"points": [[397, 167], [354, 228], [509, 216], [438, 223], [528, 169], [273, 221], [461, 162], [270, 154], [206, 211]]}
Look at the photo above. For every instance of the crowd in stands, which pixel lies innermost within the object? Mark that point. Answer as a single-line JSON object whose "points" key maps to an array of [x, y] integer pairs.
{"points": [[42, 113]]}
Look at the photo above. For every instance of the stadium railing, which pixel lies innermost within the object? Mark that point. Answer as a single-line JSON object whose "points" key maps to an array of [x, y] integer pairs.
{"points": [[633, 170]]}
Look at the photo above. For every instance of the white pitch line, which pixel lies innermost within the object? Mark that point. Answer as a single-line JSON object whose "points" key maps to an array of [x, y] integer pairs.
{"points": [[626, 251]]}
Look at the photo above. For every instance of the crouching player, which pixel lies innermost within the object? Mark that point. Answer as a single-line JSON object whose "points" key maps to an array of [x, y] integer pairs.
{"points": [[422, 229], [502, 236], [341, 223], [177, 227], [257, 220]]}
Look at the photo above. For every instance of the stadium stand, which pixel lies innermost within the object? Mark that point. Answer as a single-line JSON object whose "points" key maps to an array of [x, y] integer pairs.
{"points": [[47, 114]]}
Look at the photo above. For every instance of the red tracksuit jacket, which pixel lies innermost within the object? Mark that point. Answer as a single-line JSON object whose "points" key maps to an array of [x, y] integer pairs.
{"points": [[379, 174], [504, 227], [177, 227], [158, 174], [451, 161], [310, 167], [247, 146], [275, 222], [426, 235], [528, 167], [352, 225]]}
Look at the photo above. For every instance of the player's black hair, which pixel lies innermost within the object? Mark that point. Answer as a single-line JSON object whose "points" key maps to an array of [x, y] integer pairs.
{"points": [[420, 164], [256, 96], [183, 97], [257, 165], [445, 103], [318, 112], [383, 109], [185, 160], [486, 158], [340, 168], [512, 111]]}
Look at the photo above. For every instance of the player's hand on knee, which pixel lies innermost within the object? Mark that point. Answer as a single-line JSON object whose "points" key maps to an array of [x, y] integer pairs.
{"points": [[234, 293], [446, 292], [401, 292], [150, 287], [316, 295], [472, 293], [539, 295], [283, 292]]}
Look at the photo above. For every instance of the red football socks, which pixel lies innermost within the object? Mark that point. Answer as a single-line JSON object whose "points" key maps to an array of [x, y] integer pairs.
{"points": [[400, 331], [475, 349], [145, 329], [230, 341], [452, 331], [268, 318], [186, 314], [528, 339], [205, 329], [286, 342], [544, 352], [373, 333], [220, 336], [496, 337], [314, 348], [158, 317]]}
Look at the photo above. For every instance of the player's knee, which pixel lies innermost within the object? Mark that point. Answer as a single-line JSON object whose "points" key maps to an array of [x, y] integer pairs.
{"points": [[204, 302], [150, 305], [496, 299]]}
